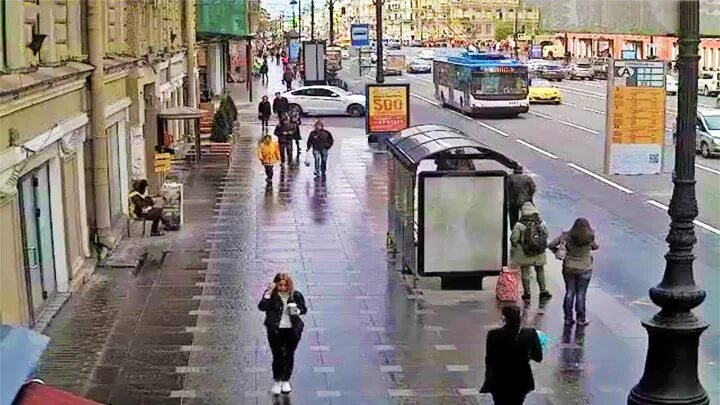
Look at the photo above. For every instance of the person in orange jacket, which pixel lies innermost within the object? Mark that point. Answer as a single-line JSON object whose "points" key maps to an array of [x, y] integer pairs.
{"points": [[269, 154]]}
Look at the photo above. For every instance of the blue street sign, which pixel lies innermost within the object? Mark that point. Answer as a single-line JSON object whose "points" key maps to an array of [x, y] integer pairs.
{"points": [[360, 35]]}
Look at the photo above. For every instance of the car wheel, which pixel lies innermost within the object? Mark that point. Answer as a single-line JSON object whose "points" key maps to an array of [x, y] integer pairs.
{"points": [[706, 91], [296, 109], [356, 110], [705, 150], [717, 103]]}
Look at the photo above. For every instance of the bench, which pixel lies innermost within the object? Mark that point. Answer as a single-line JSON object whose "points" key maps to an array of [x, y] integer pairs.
{"points": [[130, 221], [210, 151]]}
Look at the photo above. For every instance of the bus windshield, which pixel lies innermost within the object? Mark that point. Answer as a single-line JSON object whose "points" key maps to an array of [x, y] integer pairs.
{"points": [[491, 84]]}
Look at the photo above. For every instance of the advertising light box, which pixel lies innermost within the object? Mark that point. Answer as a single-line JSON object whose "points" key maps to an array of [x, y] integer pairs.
{"points": [[462, 222]]}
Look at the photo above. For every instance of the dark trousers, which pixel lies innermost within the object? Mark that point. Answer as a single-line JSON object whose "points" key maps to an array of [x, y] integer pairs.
{"points": [[264, 121], [268, 172], [289, 85], [576, 285], [264, 77], [286, 150], [508, 398], [283, 342], [156, 216]]}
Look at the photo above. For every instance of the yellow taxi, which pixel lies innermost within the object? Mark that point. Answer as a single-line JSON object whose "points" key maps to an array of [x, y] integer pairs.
{"points": [[545, 95]]}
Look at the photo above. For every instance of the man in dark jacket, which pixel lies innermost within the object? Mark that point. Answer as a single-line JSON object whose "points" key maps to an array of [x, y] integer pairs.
{"points": [[264, 112], [284, 132], [144, 207], [264, 71], [320, 140], [280, 105], [288, 77], [522, 190]]}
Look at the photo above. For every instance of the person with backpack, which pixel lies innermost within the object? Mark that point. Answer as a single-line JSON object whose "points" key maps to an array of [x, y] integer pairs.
{"points": [[521, 188], [574, 248], [528, 243], [509, 349], [320, 140], [264, 71], [283, 306]]}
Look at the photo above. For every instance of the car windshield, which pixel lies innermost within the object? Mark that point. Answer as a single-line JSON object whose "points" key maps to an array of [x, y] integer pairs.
{"points": [[498, 83], [712, 122], [583, 66], [552, 67]]}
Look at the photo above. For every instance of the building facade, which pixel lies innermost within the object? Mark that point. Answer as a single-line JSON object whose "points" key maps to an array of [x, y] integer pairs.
{"points": [[80, 83]]}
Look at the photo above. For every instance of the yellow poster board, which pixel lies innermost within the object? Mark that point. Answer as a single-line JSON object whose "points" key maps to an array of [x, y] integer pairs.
{"points": [[388, 108], [163, 161]]}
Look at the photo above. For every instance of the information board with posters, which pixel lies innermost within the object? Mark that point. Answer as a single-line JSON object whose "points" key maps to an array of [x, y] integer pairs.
{"points": [[635, 128], [359, 35], [388, 108]]}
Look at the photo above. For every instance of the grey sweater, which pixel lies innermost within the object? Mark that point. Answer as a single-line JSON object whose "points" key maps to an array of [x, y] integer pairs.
{"points": [[577, 257]]}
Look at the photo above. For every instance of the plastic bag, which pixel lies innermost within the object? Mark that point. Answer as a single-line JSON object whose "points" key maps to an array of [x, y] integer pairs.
{"points": [[546, 341], [307, 159], [508, 285]]}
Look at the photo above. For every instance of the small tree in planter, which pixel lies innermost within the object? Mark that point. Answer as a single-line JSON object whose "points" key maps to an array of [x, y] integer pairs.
{"points": [[228, 104], [222, 126]]}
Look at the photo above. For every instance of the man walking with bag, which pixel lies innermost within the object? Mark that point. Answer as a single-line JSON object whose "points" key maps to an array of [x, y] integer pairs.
{"points": [[320, 140]]}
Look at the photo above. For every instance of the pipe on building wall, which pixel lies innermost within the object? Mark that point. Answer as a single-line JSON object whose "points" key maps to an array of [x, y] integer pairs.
{"points": [[101, 184], [192, 100]]}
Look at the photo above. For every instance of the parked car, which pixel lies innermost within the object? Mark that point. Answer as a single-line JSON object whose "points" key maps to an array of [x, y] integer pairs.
{"points": [[416, 43], [419, 66], [545, 95], [709, 83], [708, 132], [533, 64], [345, 54], [582, 71], [325, 100], [393, 45], [551, 72], [671, 85], [426, 54], [599, 68]]}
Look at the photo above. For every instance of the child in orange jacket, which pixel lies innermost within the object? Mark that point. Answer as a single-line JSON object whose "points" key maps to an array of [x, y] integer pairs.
{"points": [[269, 154]]}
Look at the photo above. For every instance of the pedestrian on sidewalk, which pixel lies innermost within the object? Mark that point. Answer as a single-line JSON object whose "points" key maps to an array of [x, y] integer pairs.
{"points": [[264, 71], [145, 207], [296, 122], [283, 306], [284, 133], [574, 248], [288, 78], [320, 140], [280, 105], [264, 113], [522, 190], [509, 349], [269, 155], [528, 242]]}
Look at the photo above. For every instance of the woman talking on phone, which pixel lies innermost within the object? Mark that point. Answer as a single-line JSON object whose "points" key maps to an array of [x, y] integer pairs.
{"points": [[282, 306]]}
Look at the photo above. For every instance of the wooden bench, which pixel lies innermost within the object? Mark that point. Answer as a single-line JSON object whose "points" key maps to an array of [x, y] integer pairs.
{"points": [[210, 151], [130, 221]]}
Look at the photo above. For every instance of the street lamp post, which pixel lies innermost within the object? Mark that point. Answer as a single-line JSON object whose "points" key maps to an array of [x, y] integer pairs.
{"points": [[671, 375], [312, 20], [379, 74], [331, 5], [515, 30]]}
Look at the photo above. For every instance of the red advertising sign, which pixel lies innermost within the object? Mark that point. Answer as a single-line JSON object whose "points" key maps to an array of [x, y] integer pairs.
{"points": [[388, 108]]}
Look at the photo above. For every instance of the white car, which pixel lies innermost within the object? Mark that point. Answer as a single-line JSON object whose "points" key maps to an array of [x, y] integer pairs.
{"points": [[325, 100], [344, 54], [671, 85], [426, 54]]}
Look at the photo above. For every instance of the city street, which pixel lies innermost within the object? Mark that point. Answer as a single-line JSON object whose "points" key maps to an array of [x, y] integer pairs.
{"points": [[187, 329]]}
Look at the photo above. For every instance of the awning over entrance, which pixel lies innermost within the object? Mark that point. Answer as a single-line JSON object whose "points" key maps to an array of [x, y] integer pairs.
{"points": [[181, 113], [414, 144]]}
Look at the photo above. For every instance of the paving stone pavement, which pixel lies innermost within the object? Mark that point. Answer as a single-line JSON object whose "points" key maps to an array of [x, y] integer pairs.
{"points": [[186, 329]]}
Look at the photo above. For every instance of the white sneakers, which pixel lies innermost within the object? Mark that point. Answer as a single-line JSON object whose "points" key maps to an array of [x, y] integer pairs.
{"points": [[279, 387]]}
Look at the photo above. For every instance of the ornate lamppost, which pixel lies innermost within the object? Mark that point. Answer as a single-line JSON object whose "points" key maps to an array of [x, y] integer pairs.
{"points": [[671, 374]]}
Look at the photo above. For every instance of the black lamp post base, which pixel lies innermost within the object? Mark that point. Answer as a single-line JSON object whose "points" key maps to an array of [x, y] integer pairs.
{"points": [[670, 376]]}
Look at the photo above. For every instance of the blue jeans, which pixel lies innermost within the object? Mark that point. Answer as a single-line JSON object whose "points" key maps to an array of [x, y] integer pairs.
{"points": [[576, 285], [320, 156]]}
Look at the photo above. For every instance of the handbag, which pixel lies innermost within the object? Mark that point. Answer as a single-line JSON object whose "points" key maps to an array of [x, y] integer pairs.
{"points": [[561, 249], [508, 285]]}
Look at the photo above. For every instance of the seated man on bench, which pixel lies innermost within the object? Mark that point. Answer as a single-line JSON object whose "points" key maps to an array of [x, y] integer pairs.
{"points": [[144, 207]]}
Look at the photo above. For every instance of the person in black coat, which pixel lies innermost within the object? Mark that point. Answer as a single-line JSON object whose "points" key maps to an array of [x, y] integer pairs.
{"points": [[280, 105], [522, 189], [264, 112], [283, 306], [508, 352]]}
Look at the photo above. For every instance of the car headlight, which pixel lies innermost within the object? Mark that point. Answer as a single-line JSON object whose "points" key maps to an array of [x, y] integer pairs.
{"points": [[716, 141]]}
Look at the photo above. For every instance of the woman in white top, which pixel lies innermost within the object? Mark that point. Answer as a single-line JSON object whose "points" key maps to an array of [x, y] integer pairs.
{"points": [[283, 306]]}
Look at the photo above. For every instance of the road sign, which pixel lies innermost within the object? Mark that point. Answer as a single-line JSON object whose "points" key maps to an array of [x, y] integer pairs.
{"points": [[360, 35], [635, 128]]}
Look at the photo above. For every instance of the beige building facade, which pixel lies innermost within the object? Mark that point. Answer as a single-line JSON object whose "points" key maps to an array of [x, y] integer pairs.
{"points": [[73, 136]]}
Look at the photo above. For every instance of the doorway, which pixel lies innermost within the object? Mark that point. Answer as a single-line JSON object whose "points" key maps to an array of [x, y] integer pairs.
{"points": [[38, 242]]}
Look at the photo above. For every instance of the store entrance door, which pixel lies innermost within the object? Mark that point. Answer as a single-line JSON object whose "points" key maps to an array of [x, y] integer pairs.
{"points": [[37, 238]]}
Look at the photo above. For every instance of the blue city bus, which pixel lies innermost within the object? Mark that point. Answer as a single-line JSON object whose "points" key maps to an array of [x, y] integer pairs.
{"points": [[482, 83]]}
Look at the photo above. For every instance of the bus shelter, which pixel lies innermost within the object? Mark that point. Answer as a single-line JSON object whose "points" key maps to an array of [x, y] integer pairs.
{"points": [[447, 211]]}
